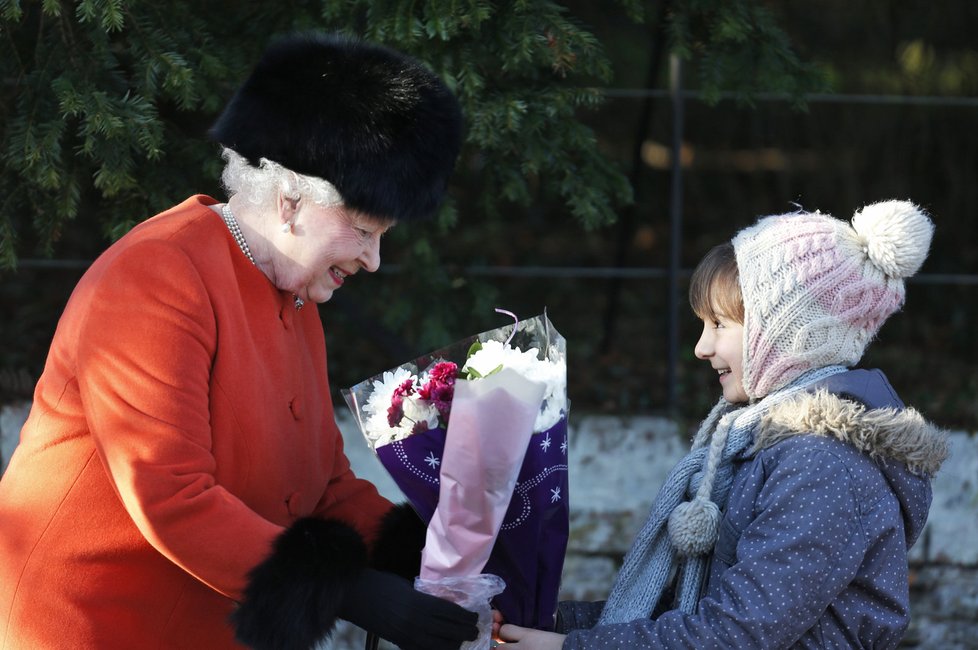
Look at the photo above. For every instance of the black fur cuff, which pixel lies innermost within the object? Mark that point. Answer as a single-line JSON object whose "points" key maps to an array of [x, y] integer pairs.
{"points": [[399, 542], [292, 598]]}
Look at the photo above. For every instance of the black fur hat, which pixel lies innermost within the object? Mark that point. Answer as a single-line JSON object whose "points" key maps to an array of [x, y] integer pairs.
{"points": [[377, 124]]}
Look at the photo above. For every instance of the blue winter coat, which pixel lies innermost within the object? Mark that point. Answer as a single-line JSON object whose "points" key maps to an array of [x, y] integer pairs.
{"points": [[813, 543]]}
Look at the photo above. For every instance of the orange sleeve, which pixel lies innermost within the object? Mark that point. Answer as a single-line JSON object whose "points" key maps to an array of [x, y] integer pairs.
{"points": [[352, 499]]}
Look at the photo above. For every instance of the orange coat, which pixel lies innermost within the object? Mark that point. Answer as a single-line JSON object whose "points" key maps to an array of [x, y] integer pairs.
{"points": [[183, 419]]}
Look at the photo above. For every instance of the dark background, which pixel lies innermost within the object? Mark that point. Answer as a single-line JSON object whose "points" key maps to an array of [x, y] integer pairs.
{"points": [[892, 129], [899, 124]]}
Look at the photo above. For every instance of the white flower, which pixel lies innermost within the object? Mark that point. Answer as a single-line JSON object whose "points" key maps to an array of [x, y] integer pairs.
{"points": [[380, 399], [494, 354], [376, 428], [417, 410], [551, 372], [378, 431], [418, 415]]}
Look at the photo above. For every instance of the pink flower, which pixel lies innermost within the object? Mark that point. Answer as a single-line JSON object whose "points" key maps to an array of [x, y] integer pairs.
{"points": [[396, 410], [440, 388]]}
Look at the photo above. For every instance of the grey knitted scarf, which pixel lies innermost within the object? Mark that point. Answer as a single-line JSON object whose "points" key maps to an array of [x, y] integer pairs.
{"points": [[689, 529]]}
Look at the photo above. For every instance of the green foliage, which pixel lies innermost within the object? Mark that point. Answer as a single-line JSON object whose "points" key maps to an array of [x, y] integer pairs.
{"points": [[81, 123], [107, 104], [926, 71], [521, 72], [518, 69], [737, 46], [112, 98]]}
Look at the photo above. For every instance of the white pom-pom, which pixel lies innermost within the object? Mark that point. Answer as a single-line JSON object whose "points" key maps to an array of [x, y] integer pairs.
{"points": [[694, 527], [896, 236]]}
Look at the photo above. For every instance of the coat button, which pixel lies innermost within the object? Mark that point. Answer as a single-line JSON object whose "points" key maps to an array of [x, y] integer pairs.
{"points": [[296, 407], [295, 506]]}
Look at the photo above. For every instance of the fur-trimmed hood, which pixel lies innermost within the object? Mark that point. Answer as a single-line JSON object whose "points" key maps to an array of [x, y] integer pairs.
{"points": [[883, 433], [861, 408]]}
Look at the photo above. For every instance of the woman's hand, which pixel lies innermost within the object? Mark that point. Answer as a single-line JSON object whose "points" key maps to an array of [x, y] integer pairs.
{"points": [[529, 639]]}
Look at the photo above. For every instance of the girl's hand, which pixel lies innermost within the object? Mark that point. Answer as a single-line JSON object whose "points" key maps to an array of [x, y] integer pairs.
{"points": [[529, 639], [497, 622]]}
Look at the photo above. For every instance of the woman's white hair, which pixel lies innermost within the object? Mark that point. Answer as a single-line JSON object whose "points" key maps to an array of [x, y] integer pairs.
{"points": [[260, 185]]}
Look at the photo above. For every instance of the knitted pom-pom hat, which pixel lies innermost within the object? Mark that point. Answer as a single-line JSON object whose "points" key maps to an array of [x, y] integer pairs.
{"points": [[816, 289]]}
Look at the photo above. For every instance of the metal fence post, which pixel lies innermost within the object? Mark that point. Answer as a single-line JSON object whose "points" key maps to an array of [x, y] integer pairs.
{"points": [[675, 238]]}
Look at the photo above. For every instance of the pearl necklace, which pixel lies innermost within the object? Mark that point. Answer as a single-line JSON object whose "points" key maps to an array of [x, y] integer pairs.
{"points": [[239, 239], [228, 217]]}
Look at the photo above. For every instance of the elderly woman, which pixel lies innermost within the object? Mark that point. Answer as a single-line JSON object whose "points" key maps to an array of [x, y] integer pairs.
{"points": [[180, 480]]}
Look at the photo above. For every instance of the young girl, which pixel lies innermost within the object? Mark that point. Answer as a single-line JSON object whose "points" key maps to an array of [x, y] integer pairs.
{"points": [[789, 522]]}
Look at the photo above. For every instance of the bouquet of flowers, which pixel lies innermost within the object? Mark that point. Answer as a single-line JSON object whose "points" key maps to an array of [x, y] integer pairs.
{"points": [[475, 436]]}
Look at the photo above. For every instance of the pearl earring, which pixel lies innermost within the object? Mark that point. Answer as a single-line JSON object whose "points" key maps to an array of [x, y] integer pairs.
{"points": [[287, 227]]}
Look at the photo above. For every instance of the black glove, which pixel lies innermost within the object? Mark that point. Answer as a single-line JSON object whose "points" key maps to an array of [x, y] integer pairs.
{"points": [[400, 538], [389, 606]]}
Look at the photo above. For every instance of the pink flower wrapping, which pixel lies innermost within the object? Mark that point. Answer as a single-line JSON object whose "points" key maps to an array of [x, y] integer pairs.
{"points": [[487, 437]]}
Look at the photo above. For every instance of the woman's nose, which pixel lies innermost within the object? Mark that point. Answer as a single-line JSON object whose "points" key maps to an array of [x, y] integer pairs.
{"points": [[370, 258]]}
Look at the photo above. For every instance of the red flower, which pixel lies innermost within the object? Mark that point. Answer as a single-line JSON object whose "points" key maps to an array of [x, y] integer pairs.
{"points": [[440, 388], [396, 410]]}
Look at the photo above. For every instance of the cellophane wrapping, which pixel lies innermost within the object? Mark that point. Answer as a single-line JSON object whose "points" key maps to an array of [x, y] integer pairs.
{"points": [[475, 436]]}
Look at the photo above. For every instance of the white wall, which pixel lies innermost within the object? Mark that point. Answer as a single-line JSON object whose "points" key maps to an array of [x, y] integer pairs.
{"points": [[618, 463]]}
